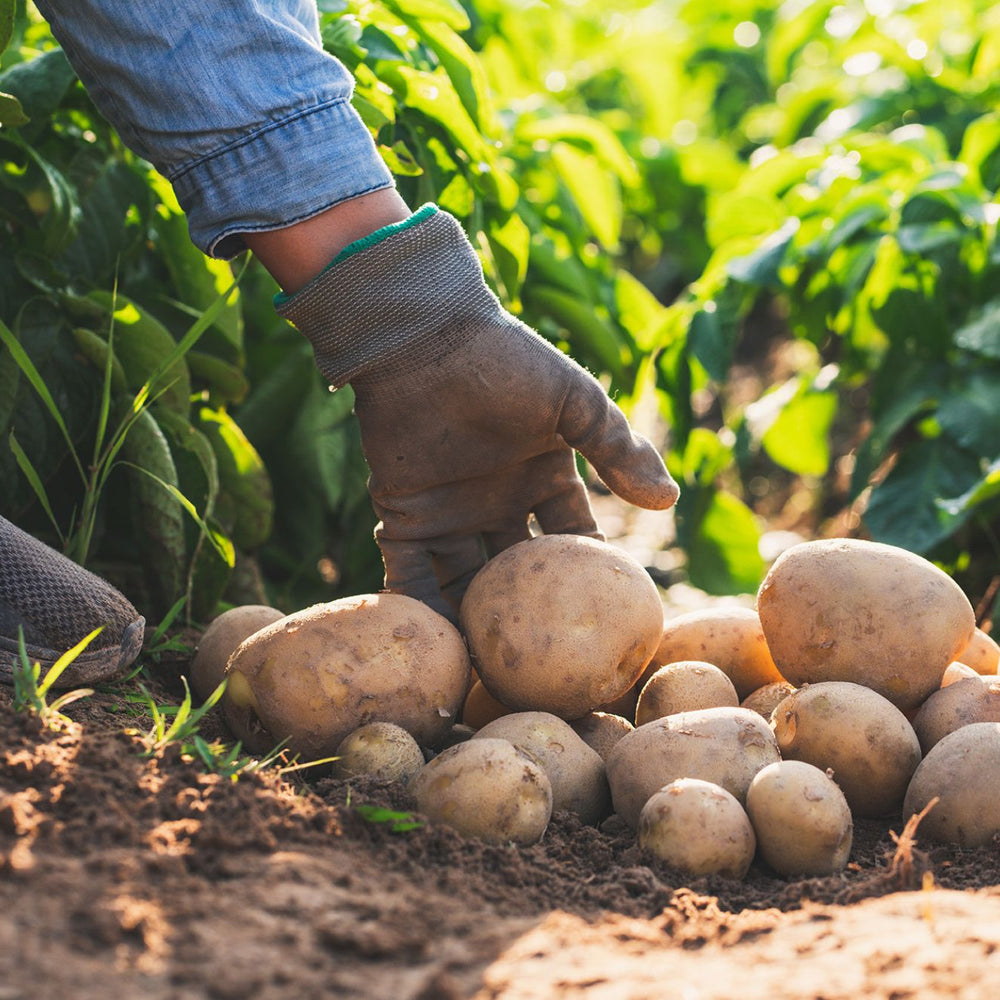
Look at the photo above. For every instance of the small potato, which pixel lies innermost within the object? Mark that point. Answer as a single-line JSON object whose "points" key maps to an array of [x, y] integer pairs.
{"points": [[218, 641], [379, 750], [317, 675], [842, 609], [481, 707], [561, 624], [767, 698], [601, 731], [801, 818], [699, 828], [851, 729], [684, 687], [575, 771], [957, 672], [726, 746], [973, 699], [961, 772], [982, 654], [488, 789], [728, 638]]}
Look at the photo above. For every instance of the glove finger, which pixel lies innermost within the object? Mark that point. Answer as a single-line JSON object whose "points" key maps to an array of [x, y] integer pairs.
{"points": [[627, 462], [568, 512], [497, 541], [457, 559], [409, 570]]}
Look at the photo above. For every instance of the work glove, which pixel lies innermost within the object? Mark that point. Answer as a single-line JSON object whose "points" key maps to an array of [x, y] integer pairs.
{"points": [[468, 418]]}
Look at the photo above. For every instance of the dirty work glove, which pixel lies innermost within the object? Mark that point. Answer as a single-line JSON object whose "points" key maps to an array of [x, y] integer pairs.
{"points": [[468, 418], [56, 603]]}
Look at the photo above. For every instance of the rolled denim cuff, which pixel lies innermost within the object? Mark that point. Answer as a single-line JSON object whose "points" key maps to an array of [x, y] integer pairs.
{"points": [[287, 171]]}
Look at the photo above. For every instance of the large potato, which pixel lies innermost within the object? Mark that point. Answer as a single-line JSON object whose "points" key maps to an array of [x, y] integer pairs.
{"points": [[481, 707], [862, 737], [601, 730], [684, 687], [849, 610], [561, 624], [486, 788], [974, 699], [575, 771], [221, 638], [726, 746], [315, 676], [801, 818], [729, 638], [961, 772], [699, 828]]}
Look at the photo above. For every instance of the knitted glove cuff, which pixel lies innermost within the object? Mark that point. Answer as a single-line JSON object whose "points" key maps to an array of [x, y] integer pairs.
{"points": [[396, 307]]}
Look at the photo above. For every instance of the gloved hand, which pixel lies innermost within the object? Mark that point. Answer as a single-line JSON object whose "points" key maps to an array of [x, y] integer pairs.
{"points": [[468, 418]]}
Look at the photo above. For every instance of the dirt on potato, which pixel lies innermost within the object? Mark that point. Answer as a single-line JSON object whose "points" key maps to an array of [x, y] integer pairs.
{"points": [[128, 875]]}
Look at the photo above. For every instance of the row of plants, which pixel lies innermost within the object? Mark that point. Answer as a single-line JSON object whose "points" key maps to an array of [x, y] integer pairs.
{"points": [[776, 220]]}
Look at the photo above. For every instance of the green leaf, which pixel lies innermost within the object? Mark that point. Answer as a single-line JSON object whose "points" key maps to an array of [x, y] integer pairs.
{"points": [[10, 379], [981, 149], [7, 9], [967, 413], [719, 533], [905, 509], [590, 133], [11, 113], [761, 266], [34, 480], [226, 382], [398, 822], [40, 83], [981, 334], [510, 242], [639, 311], [594, 191], [448, 12], [400, 160], [987, 489]]}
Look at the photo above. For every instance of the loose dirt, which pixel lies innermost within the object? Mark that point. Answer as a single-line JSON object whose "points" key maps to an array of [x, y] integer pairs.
{"points": [[124, 874]]}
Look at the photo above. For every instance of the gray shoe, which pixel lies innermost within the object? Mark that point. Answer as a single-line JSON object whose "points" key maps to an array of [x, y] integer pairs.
{"points": [[56, 603]]}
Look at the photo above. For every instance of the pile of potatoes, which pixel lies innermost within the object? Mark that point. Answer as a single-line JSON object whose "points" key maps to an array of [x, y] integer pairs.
{"points": [[859, 686]]}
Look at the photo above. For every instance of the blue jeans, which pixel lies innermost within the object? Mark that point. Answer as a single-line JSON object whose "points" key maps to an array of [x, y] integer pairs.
{"points": [[234, 101]]}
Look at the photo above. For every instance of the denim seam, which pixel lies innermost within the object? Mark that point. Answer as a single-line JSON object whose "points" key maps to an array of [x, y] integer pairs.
{"points": [[244, 140]]}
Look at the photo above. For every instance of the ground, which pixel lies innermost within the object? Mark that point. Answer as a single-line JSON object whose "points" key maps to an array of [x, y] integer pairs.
{"points": [[126, 873]]}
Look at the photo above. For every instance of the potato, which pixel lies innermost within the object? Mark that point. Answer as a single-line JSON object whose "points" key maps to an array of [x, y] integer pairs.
{"points": [[801, 818], [982, 654], [624, 705], [726, 746], [974, 699], [379, 750], [699, 828], [684, 687], [849, 610], [486, 788], [575, 771], [321, 673], [218, 641], [601, 731], [561, 624], [956, 671], [481, 707], [961, 772], [766, 698], [729, 638], [851, 729]]}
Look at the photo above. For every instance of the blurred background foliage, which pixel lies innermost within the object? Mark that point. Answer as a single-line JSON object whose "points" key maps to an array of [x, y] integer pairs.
{"points": [[770, 228]]}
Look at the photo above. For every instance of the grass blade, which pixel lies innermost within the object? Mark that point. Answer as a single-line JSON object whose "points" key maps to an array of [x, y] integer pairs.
{"points": [[55, 671], [24, 464], [31, 373], [105, 410]]}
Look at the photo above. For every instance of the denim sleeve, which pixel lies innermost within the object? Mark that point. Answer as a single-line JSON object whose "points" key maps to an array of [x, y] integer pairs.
{"points": [[234, 101]]}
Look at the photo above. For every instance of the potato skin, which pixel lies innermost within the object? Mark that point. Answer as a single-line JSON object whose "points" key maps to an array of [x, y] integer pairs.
{"points": [[317, 675], [575, 771], [960, 771], [726, 746], [767, 698], [729, 638], [224, 633], [974, 699], [601, 730], [851, 610], [851, 729], [684, 687], [380, 750], [486, 788], [982, 654], [801, 818], [481, 707], [699, 828], [561, 624]]}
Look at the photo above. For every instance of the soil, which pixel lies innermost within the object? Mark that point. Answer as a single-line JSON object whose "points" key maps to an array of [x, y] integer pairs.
{"points": [[128, 873]]}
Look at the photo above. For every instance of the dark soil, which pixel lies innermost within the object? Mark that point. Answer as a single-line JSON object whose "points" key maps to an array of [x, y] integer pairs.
{"points": [[127, 874]]}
